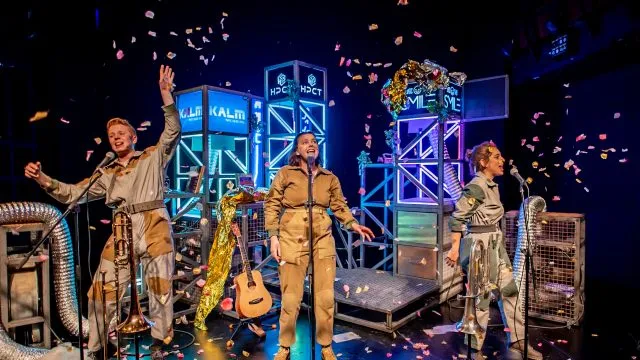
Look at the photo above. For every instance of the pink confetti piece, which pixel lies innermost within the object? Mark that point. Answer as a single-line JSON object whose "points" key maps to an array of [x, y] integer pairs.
{"points": [[155, 56], [146, 123], [602, 136], [556, 198], [337, 48], [568, 96], [346, 90], [523, 141], [43, 257], [105, 221], [200, 351], [557, 149], [332, 103], [560, 138], [417, 34], [531, 147], [616, 115], [88, 156], [225, 36], [171, 55], [345, 287], [180, 355], [173, 33], [537, 115], [367, 137], [581, 137], [362, 191], [591, 147], [348, 63], [398, 41], [536, 139], [149, 14], [623, 160], [226, 304], [368, 116], [453, 49], [141, 129], [506, 329], [389, 355], [547, 123], [63, 120], [366, 128], [152, 33], [201, 282]]}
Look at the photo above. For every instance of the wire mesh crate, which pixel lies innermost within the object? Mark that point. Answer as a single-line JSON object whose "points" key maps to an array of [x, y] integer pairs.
{"points": [[559, 264]]}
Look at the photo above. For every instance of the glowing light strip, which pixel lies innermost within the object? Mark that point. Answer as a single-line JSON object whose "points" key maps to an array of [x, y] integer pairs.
{"points": [[452, 130], [236, 160], [284, 151]]}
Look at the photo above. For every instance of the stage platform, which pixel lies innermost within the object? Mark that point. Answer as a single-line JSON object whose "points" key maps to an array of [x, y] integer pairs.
{"points": [[376, 299]]}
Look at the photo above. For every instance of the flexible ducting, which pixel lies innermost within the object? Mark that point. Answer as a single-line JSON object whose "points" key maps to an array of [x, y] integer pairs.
{"points": [[63, 273], [535, 205]]}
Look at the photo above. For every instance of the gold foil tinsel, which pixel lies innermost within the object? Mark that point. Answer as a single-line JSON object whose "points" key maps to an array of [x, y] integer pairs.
{"points": [[222, 250], [427, 74]]}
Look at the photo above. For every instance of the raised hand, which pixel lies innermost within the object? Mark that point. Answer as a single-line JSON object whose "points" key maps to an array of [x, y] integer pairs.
{"points": [[34, 171], [166, 79]]}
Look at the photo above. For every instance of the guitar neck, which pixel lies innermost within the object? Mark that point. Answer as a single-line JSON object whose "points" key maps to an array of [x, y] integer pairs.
{"points": [[246, 265]]}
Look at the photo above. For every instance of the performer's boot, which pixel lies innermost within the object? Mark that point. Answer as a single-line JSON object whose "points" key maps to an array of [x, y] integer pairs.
{"points": [[284, 353], [516, 351], [327, 353]]}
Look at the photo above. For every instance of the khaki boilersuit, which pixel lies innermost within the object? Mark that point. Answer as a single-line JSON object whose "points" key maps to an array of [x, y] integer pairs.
{"points": [[139, 181], [287, 217]]}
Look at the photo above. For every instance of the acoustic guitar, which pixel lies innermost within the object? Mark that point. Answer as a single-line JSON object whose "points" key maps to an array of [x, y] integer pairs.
{"points": [[252, 298]]}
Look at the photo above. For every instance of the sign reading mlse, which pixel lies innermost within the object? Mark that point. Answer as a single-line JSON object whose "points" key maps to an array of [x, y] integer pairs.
{"points": [[312, 83], [418, 100], [277, 82], [228, 113]]}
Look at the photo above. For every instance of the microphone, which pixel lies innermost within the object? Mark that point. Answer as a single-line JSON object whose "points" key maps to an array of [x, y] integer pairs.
{"points": [[108, 158], [514, 172], [309, 162]]}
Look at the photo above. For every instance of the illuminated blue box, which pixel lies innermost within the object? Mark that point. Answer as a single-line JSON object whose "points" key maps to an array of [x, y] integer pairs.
{"points": [[311, 79]]}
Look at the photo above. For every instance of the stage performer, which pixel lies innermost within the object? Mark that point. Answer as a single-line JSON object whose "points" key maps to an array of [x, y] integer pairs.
{"points": [[133, 182], [477, 216], [287, 224]]}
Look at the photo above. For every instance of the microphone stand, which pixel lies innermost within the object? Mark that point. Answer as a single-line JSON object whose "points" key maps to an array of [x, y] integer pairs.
{"points": [[311, 310], [528, 268], [73, 206]]}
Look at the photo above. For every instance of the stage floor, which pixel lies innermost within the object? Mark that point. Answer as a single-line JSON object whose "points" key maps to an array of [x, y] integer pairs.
{"points": [[584, 342]]}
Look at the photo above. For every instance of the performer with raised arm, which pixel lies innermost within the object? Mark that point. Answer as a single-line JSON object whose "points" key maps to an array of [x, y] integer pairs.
{"points": [[477, 216], [287, 224], [133, 183]]}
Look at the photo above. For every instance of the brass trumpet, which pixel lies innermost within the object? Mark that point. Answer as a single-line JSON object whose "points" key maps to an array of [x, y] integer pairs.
{"points": [[478, 285], [124, 257]]}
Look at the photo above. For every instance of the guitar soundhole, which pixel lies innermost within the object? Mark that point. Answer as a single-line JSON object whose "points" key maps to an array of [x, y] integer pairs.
{"points": [[252, 284], [255, 301]]}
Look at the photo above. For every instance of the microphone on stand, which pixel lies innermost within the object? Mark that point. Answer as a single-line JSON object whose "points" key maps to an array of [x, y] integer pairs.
{"points": [[108, 158], [309, 162], [514, 172]]}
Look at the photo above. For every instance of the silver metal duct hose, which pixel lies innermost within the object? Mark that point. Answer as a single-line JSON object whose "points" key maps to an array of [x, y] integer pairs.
{"points": [[63, 263], [450, 177], [535, 205]]}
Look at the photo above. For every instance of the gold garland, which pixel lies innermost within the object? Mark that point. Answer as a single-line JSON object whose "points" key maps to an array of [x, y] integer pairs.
{"points": [[221, 252], [427, 74]]}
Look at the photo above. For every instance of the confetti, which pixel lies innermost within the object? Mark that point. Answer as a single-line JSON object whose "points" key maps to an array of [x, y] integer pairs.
{"points": [[171, 55], [200, 282], [155, 56], [586, 189], [373, 27], [222, 23], [332, 103], [357, 77], [39, 115], [337, 47], [417, 34], [535, 139], [568, 164], [226, 304], [529, 180], [366, 128], [228, 83], [152, 33], [581, 137], [534, 164], [386, 65], [403, 2], [602, 136], [568, 96], [225, 36], [173, 33], [453, 49], [345, 287], [105, 221], [537, 115], [141, 129], [362, 191], [523, 141], [149, 14], [557, 149], [146, 123], [623, 160], [133, 39], [188, 31], [348, 62], [373, 77], [114, 44], [119, 55], [604, 156], [92, 228], [578, 181], [566, 85], [556, 198], [246, 354], [88, 156], [398, 40], [616, 115], [43, 257], [346, 90]]}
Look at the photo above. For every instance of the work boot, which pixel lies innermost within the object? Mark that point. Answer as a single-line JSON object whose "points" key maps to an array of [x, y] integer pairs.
{"points": [[516, 351], [284, 353], [327, 353]]}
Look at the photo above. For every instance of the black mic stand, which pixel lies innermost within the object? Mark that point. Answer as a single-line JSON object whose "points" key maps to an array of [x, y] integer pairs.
{"points": [[73, 206], [528, 268], [311, 311]]}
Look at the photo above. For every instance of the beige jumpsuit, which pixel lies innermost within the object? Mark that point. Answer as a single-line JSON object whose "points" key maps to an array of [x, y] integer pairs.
{"points": [[287, 217], [477, 215], [139, 181]]}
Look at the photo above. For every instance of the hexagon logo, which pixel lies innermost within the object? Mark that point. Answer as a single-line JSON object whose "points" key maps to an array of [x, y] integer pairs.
{"points": [[282, 79], [312, 80]]}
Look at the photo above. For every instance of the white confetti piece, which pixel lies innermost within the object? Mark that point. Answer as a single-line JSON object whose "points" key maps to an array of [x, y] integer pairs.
{"points": [[152, 33], [149, 14]]}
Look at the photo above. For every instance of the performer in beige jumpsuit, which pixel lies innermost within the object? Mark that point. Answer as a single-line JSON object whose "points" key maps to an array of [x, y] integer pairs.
{"points": [[477, 215], [287, 224], [134, 182]]}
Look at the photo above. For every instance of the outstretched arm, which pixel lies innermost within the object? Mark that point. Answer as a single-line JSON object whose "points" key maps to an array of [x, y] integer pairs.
{"points": [[172, 128], [65, 193]]}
